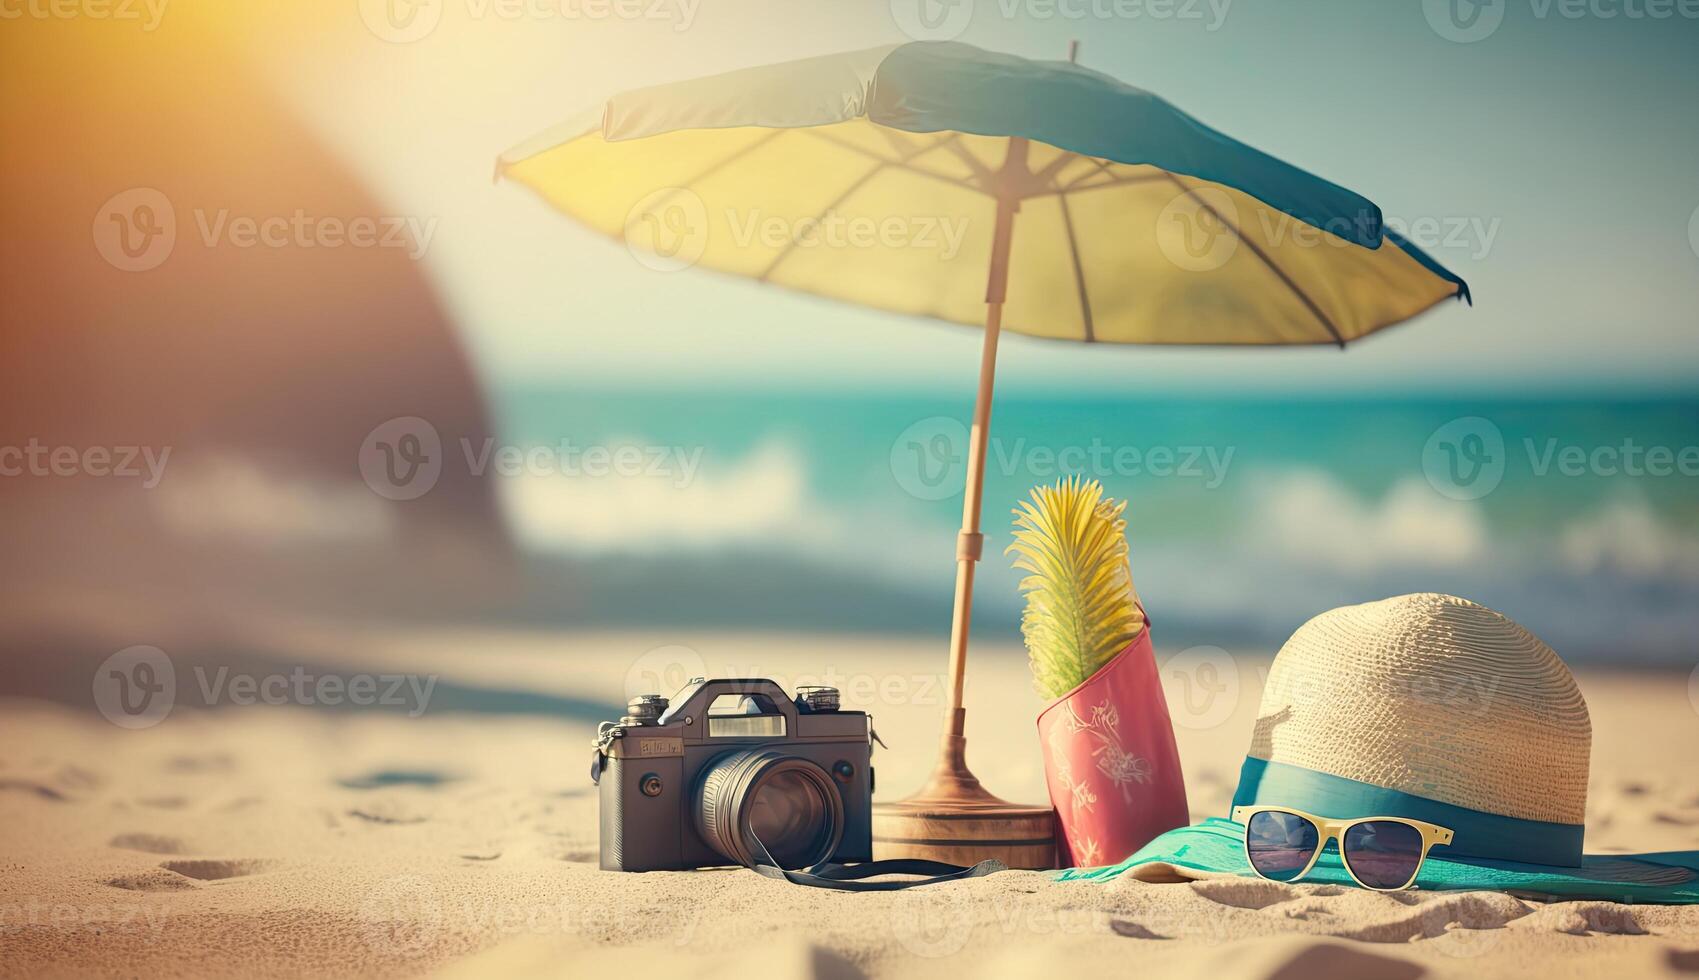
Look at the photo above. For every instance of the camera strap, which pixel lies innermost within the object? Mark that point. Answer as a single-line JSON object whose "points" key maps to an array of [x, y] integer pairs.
{"points": [[848, 877]]}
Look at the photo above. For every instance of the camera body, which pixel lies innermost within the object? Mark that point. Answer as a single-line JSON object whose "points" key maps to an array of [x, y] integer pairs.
{"points": [[690, 783]]}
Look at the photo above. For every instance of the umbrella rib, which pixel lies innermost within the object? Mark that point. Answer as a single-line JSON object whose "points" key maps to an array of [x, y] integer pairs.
{"points": [[1102, 168], [900, 164], [1267, 260], [1050, 170], [987, 178], [1076, 188], [879, 166], [712, 168], [1079, 271], [790, 246], [735, 156]]}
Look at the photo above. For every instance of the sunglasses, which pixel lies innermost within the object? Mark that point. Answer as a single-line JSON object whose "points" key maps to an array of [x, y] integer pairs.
{"points": [[1380, 853]]}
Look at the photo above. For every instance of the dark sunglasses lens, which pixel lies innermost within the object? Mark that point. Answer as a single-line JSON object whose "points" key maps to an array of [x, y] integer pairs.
{"points": [[1280, 844], [1383, 853]]}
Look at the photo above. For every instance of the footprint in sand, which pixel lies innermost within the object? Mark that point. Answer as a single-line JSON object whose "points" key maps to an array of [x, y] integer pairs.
{"points": [[390, 810], [153, 880], [75, 778], [220, 870], [150, 844], [386, 815], [1245, 893], [215, 763], [1132, 930], [41, 790], [1583, 918], [1460, 924]]}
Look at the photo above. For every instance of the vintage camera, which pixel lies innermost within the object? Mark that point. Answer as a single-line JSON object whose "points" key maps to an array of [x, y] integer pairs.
{"points": [[730, 771]]}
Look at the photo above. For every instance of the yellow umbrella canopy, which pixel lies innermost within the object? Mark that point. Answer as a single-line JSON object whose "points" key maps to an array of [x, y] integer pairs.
{"points": [[937, 179], [874, 177]]}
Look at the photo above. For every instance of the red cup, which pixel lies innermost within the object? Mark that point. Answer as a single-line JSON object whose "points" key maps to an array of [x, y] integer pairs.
{"points": [[1110, 761]]}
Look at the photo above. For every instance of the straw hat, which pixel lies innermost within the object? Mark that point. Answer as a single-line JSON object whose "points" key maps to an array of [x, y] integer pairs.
{"points": [[1434, 696], [1433, 708]]}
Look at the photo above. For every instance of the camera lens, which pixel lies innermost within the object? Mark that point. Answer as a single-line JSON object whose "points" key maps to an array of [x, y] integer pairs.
{"points": [[760, 797]]}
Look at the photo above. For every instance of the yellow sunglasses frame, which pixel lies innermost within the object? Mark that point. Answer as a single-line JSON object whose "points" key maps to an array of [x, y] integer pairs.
{"points": [[1330, 829]]}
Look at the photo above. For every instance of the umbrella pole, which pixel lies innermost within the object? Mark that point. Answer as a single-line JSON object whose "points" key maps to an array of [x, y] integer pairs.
{"points": [[970, 543], [953, 818]]}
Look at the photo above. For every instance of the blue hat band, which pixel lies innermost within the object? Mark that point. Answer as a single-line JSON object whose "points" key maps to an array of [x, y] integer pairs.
{"points": [[1488, 836]]}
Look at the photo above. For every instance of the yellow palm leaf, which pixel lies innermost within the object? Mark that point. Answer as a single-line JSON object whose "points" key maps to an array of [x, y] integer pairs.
{"points": [[1081, 609]]}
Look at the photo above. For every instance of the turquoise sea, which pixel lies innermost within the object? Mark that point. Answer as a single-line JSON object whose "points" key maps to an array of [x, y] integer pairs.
{"points": [[1580, 519]]}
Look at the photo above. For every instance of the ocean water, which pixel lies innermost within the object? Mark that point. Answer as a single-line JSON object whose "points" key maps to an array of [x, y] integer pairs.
{"points": [[1245, 517]]}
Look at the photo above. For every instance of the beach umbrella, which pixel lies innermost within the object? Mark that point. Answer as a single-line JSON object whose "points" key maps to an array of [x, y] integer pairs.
{"points": [[941, 180]]}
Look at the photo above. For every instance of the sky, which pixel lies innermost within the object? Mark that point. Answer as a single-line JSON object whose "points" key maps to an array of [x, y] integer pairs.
{"points": [[1553, 159]]}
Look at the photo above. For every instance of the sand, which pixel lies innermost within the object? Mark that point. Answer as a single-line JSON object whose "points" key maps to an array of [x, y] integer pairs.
{"points": [[292, 841]]}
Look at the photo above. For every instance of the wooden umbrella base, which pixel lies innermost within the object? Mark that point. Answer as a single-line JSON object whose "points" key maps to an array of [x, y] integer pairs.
{"points": [[953, 819]]}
